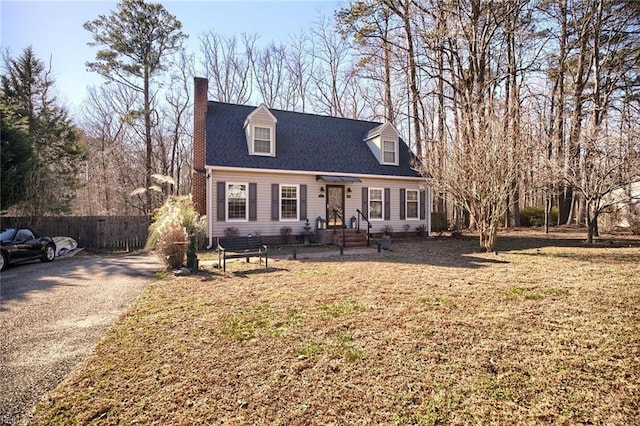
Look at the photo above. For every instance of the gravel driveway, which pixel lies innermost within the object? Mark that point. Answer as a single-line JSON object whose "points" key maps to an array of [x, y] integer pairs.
{"points": [[53, 314]]}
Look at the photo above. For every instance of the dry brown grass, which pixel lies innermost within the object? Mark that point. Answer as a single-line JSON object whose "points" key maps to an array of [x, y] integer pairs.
{"points": [[431, 333]]}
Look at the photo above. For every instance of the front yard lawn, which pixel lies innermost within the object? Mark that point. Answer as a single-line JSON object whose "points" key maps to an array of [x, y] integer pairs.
{"points": [[434, 332]]}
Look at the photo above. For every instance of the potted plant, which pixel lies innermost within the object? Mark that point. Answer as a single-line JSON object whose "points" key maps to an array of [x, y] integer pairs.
{"points": [[385, 241], [306, 233]]}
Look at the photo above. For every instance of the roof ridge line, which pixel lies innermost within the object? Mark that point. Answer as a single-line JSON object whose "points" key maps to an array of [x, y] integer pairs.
{"points": [[314, 114]]}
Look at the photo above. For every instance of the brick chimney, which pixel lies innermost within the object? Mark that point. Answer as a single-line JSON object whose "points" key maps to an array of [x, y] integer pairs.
{"points": [[199, 185]]}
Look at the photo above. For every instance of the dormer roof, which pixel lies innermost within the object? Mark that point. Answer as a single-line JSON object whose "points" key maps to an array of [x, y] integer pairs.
{"points": [[378, 130], [261, 109]]}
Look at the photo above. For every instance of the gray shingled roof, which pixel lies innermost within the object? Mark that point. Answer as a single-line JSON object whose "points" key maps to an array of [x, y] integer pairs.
{"points": [[305, 142]]}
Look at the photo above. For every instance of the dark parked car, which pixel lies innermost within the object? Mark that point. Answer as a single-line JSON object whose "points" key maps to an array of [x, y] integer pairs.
{"points": [[22, 244]]}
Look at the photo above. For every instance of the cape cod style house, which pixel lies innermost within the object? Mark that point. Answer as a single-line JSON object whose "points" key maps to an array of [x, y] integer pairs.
{"points": [[259, 170]]}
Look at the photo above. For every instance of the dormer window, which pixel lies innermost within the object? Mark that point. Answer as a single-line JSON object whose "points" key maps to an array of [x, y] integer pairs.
{"points": [[262, 140], [389, 152], [260, 128], [384, 142]]}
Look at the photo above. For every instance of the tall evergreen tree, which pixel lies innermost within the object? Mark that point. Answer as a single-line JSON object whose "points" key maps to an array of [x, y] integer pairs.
{"points": [[40, 145], [134, 43], [16, 156]]}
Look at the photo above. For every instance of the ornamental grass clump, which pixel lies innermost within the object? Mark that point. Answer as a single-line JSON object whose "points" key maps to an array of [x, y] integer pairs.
{"points": [[171, 245], [173, 223]]}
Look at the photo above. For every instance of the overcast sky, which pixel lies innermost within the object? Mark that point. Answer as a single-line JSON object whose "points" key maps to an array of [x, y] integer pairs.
{"points": [[54, 29]]}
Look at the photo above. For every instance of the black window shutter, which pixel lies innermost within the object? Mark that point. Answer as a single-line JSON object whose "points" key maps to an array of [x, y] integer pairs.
{"points": [[365, 201], [303, 202], [253, 202], [387, 203], [403, 215], [275, 201], [220, 201], [423, 204]]}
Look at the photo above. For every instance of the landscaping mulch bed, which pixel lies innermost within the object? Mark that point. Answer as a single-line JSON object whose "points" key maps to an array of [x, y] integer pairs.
{"points": [[434, 332]]}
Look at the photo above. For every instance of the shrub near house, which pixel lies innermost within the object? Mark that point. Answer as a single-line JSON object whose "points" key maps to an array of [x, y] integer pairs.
{"points": [[173, 223]]}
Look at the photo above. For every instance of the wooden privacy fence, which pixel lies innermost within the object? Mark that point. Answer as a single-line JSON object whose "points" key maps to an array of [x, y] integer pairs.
{"points": [[117, 233]]}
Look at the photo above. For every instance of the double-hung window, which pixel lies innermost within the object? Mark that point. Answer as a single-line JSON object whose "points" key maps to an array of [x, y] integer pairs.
{"points": [[289, 202], [376, 202], [412, 207], [389, 152], [237, 201], [262, 140]]}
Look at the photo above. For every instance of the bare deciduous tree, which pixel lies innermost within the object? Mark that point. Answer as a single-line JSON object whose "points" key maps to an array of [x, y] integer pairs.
{"points": [[333, 70], [271, 75], [478, 164], [177, 119], [608, 59], [226, 62], [299, 65], [370, 24], [110, 139]]}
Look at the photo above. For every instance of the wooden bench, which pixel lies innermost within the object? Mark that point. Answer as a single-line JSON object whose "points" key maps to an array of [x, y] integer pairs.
{"points": [[238, 247]]}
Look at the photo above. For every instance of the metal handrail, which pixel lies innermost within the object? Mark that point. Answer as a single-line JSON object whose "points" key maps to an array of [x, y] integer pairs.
{"points": [[360, 214], [337, 215]]}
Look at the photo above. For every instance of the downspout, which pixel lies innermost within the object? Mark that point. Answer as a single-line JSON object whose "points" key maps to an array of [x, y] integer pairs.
{"points": [[428, 210], [209, 198]]}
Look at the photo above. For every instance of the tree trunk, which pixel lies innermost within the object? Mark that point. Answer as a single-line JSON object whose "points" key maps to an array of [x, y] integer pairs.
{"points": [[147, 134], [547, 213], [512, 122], [388, 100], [507, 213], [565, 203], [413, 77], [565, 192], [590, 224], [105, 177], [401, 9], [581, 74], [515, 219], [487, 234]]}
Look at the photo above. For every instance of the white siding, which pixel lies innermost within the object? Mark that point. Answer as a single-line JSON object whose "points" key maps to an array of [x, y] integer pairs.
{"points": [[389, 134], [394, 185], [262, 117], [316, 206]]}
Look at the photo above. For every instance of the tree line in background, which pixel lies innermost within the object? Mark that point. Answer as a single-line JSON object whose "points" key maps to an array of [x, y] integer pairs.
{"points": [[508, 104], [512, 102]]}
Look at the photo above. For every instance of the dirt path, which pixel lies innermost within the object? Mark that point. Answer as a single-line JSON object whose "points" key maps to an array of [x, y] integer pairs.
{"points": [[53, 314]]}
